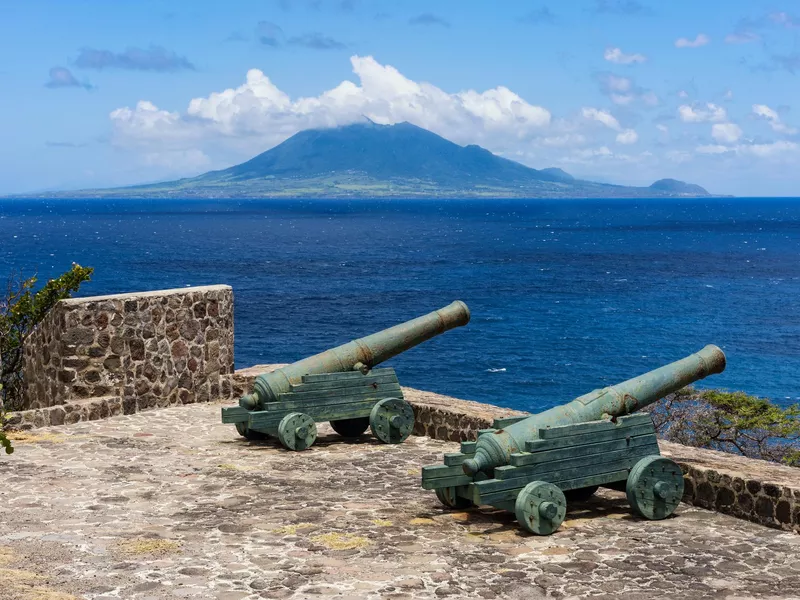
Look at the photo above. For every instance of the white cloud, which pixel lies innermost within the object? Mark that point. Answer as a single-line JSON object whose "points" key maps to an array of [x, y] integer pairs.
{"points": [[629, 136], [714, 149], [701, 40], [601, 116], [764, 111], [257, 114], [742, 37], [683, 94], [697, 114], [615, 55], [771, 150], [726, 133], [662, 128]]}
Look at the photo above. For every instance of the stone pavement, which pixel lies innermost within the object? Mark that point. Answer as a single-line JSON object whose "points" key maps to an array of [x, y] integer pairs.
{"points": [[172, 504]]}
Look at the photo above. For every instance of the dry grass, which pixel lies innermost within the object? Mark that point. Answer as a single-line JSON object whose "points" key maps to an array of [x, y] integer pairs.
{"points": [[141, 546], [382, 522], [23, 585], [26, 437], [292, 529], [341, 541]]}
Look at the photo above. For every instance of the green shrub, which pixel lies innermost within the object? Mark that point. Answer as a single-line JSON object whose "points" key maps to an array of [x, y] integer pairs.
{"points": [[732, 422], [21, 309]]}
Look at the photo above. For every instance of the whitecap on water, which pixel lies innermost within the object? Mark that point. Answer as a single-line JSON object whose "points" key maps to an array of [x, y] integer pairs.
{"points": [[503, 370]]}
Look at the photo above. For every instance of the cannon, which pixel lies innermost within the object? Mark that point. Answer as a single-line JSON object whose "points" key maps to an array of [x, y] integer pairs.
{"points": [[531, 465], [341, 386]]}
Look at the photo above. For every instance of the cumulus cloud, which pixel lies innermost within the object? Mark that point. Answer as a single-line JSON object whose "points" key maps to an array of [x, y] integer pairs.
{"points": [[257, 114], [601, 116], [774, 120], [61, 77], [629, 136], [699, 114], [625, 136], [726, 133], [701, 40], [154, 58], [616, 55], [429, 19]]}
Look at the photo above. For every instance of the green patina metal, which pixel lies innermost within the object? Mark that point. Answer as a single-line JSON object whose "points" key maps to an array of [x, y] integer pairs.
{"points": [[362, 354], [342, 387], [532, 466]]}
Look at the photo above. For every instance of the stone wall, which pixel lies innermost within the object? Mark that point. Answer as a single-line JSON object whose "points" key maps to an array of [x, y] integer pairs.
{"points": [[105, 355], [754, 490]]}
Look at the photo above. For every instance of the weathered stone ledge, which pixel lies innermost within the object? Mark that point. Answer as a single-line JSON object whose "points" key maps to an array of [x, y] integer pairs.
{"points": [[754, 490]]}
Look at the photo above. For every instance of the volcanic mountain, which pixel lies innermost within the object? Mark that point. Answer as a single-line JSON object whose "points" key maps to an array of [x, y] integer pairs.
{"points": [[368, 160]]}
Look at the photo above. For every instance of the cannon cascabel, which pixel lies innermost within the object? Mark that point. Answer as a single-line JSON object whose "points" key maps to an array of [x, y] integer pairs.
{"points": [[495, 449], [361, 354]]}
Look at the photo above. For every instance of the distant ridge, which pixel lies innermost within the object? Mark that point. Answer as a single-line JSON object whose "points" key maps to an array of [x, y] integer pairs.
{"points": [[367, 160], [679, 187]]}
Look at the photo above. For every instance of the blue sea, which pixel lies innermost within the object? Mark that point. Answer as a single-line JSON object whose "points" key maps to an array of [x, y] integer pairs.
{"points": [[566, 295]]}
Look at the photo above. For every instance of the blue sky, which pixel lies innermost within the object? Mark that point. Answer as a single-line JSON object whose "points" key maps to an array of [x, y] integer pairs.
{"points": [[628, 91]]}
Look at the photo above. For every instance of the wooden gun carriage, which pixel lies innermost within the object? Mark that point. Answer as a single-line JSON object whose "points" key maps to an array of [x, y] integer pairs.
{"points": [[341, 386], [532, 465]]}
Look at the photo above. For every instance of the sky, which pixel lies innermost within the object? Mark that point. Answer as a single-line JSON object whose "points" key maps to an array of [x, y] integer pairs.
{"points": [[96, 94]]}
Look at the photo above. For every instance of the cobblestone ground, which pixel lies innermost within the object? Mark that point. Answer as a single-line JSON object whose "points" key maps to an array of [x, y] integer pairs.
{"points": [[171, 503]]}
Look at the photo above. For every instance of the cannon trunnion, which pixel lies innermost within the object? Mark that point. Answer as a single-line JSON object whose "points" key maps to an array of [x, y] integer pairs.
{"points": [[531, 465], [342, 386], [351, 402], [570, 461]]}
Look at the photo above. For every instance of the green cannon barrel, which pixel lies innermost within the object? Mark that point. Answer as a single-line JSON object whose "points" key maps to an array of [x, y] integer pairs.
{"points": [[495, 449], [368, 351]]}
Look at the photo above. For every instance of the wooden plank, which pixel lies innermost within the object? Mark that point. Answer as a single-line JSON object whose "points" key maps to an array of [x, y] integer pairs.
{"points": [[567, 469], [392, 389], [468, 447], [305, 404], [320, 413], [635, 419], [577, 452], [434, 471], [319, 386], [510, 495], [602, 436], [504, 422], [453, 459], [313, 377], [499, 499], [598, 479], [453, 481], [235, 414], [550, 433]]}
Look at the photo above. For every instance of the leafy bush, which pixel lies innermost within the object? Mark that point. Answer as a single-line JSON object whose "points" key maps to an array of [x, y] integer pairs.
{"points": [[21, 309], [731, 422]]}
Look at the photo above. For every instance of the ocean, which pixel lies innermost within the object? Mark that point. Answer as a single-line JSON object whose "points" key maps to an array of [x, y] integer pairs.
{"points": [[566, 295]]}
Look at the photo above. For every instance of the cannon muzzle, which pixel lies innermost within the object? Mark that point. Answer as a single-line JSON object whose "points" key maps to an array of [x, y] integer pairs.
{"points": [[495, 449], [363, 354]]}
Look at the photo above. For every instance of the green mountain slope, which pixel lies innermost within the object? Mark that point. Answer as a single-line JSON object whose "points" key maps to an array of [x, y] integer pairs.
{"points": [[369, 160]]}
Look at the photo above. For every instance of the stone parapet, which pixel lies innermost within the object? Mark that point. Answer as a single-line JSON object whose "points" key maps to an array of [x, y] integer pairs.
{"points": [[148, 349], [754, 490]]}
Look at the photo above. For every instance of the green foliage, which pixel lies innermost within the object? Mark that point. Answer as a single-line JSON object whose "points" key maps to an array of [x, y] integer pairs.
{"points": [[5, 443], [21, 309], [731, 422]]}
